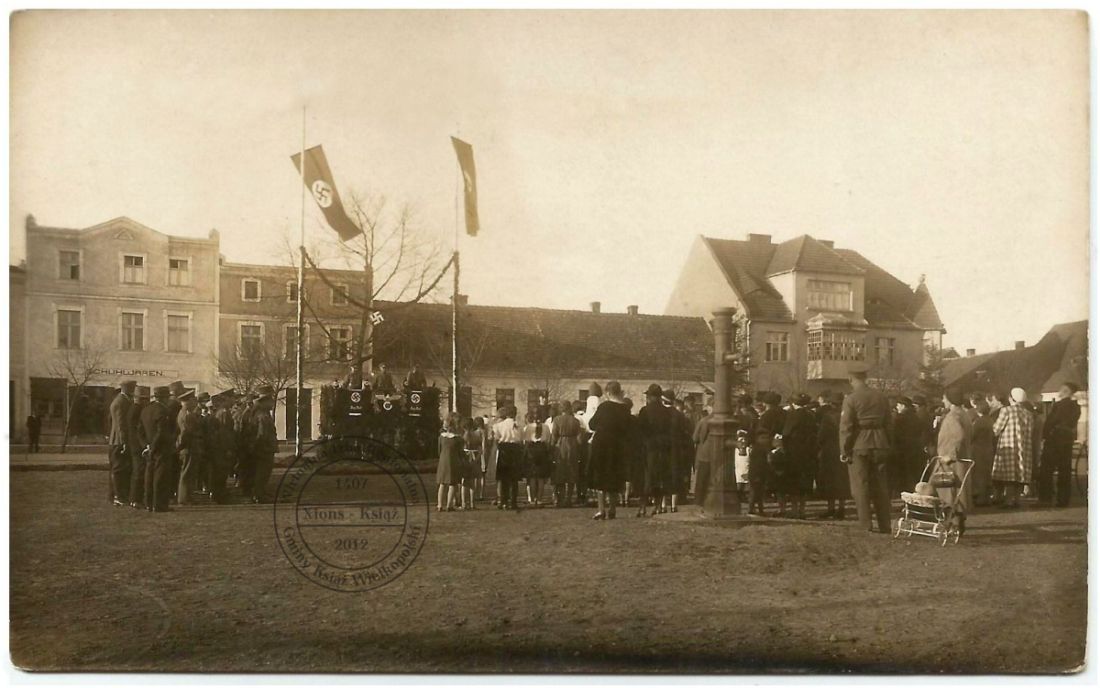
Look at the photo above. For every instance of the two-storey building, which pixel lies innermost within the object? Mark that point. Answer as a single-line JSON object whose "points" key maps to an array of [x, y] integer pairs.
{"points": [[811, 312], [117, 300]]}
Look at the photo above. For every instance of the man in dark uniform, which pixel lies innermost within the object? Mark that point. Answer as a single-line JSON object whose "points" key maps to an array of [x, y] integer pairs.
{"points": [[121, 441], [206, 410], [159, 430], [1059, 434], [382, 382], [264, 443], [865, 447], [244, 425], [221, 445], [137, 449], [415, 380]]}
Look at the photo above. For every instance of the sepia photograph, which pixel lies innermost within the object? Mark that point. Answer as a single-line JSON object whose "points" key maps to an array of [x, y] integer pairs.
{"points": [[549, 342]]}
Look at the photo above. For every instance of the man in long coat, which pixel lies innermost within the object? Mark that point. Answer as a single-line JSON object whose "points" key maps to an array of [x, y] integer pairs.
{"points": [[120, 441], [138, 456], [159, 433], [1059, 434]]}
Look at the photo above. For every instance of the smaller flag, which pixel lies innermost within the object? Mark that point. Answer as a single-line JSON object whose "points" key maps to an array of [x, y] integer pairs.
{"points": [[465, 153], [318, 179], [376, 318]]}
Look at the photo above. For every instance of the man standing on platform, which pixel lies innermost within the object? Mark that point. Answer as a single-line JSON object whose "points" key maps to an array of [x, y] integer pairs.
{"points": [[264, 443], [382, 382], [415, 380], [865, 447], [121, 441], [159, 431]]}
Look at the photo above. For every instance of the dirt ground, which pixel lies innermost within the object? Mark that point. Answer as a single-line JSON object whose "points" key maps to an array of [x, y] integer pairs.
{"points": [[209, 589]]}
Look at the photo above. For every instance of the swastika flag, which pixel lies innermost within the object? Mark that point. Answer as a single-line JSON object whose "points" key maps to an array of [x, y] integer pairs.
{"points": [[319, 183], [465, 153]]}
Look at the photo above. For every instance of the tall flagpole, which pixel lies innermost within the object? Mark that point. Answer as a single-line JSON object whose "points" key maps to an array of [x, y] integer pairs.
{"points": [[299, 354], [454, 309]]}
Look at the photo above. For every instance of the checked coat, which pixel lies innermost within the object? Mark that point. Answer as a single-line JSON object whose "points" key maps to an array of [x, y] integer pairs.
{"points": [[1013, 460]]}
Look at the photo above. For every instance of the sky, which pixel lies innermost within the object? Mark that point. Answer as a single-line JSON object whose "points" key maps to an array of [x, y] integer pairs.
{"points": [[949, 144]]}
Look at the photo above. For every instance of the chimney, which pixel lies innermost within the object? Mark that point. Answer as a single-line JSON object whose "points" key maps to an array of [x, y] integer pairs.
{"points": [[971, 352], [827, 242], [632, 310], [760, 238], [461, 299], [595, 306], [1019, 344]]}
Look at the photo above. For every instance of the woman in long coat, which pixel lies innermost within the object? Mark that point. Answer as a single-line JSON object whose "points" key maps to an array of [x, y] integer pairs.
{"points": [[982, 443], [952, 443], [1013, 460], [610, 425], [566, 438]]}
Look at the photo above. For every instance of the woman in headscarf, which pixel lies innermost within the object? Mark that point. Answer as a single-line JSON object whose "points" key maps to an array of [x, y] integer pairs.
{"points": [[1013, 459], [982, 443], [952, 444], [610, 425]]}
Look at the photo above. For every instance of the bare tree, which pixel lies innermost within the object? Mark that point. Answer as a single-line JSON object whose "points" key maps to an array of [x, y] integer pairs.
{"points": [[77, 367], [400, 263], [472, 344], [247, 368]]}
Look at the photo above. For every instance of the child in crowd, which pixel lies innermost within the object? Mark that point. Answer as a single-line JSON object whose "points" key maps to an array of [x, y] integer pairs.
{"points": [[783, 474], [475, 472], [451, 468], [536, 446], [758, 470]]}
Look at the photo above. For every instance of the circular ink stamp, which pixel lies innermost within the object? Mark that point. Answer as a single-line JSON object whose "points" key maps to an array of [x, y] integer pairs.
{"points": [[351, 514]]}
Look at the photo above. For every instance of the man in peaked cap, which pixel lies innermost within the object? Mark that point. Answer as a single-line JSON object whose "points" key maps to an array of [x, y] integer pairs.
{"points": [[866, 445], [159, 433], [120, 441], [137, 449]]}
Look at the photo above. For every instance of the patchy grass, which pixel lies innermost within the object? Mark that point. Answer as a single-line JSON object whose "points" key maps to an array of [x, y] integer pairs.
{"points": [[208, 589]]}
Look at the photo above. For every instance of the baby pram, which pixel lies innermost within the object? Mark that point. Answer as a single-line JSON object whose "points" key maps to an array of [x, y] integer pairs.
{"points": [[932, 515]]}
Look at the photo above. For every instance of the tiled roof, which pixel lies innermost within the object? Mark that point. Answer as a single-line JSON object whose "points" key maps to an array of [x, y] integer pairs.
{"points": [[564, 343], [746, 264], [1061, 355], [923, 312], [809, 254]]}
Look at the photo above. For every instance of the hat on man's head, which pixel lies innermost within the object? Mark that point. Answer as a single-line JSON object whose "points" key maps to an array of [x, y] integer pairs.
{"points": [[160, 392], [669, 394], [128, 386], [654, 390], [142, 392], [803, 399], [204, 397], [176, 388], [905, 400], [265, 392], [186, 394], [955, 396]]}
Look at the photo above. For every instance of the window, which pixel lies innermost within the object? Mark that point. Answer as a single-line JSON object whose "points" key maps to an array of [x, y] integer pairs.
{"points": [[339, 348], [292, 291], [69, 265], [177, 335], [68, 329], [505, 396], [884, 350], [290, 341], [252, 338], [829, 296], [340, 295], [582, 394], [179, 272], [777, 346], [250, 290], [834, 346], [533, 398], [133, 269], [133, 331]]}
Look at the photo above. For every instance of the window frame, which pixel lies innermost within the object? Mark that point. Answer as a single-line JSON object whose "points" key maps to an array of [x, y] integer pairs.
{"points": [[79, 264], [344, 290], [190, 331], [190, 263], [891, 348], [144, 268], [57, 327], [811, 291], [330, 339], [286, 339], [784, 346], [259, 290], [497, 396], [291, 285], [144, 313]]}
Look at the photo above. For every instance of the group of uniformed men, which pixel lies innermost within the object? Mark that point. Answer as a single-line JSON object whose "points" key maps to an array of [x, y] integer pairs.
{"points": [[181, 446]]}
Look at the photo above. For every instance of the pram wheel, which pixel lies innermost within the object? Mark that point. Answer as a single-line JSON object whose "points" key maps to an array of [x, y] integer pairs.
{"points": [[943, 537]]}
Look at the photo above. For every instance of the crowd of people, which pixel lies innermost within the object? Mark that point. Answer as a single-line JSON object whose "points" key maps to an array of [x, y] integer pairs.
{"points": [[865, 446], [171, 445]]}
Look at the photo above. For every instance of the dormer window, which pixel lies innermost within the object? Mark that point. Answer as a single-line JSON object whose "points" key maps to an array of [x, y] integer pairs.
{"points": [[828, 295]]}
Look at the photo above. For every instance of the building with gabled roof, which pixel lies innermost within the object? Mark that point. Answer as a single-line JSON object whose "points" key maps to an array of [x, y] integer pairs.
{"points": [[811, 312]]}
